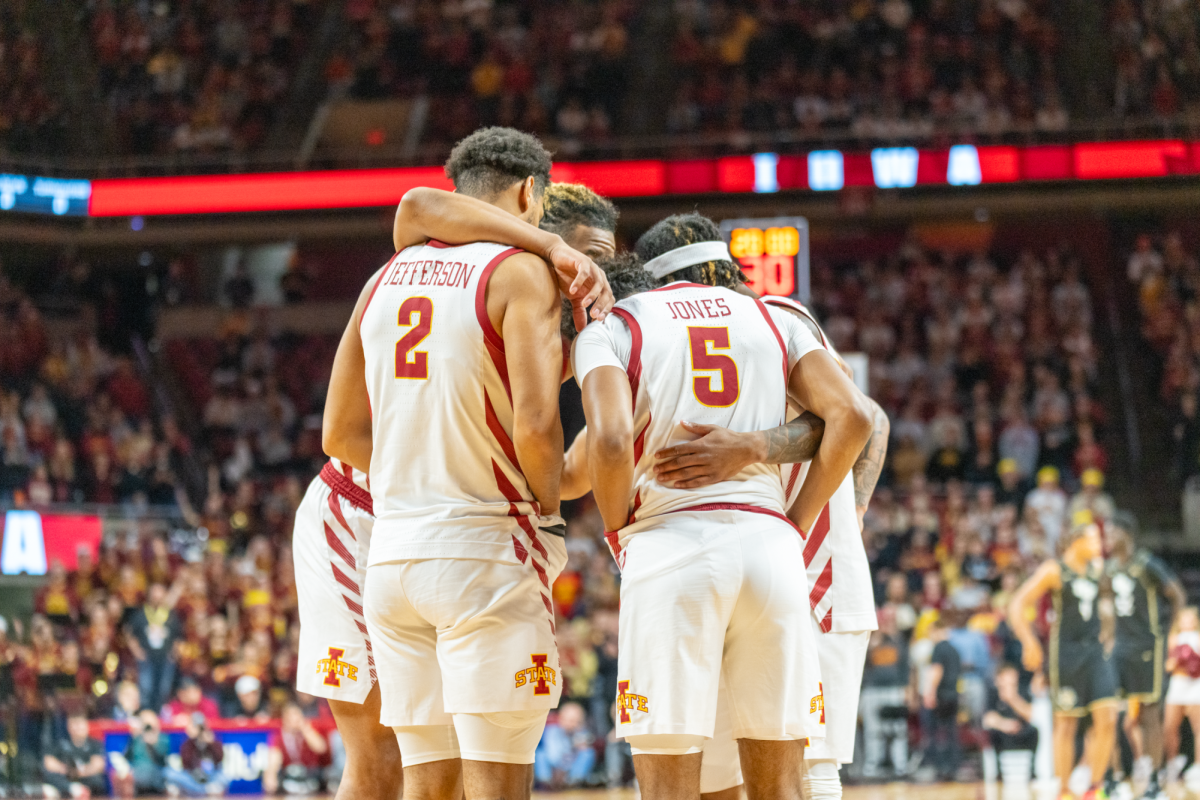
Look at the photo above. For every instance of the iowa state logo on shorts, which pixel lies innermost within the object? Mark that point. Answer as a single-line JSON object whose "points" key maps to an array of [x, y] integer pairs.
{"points": [[628, 701], [540, 675], [818, 702], [335, 669]]}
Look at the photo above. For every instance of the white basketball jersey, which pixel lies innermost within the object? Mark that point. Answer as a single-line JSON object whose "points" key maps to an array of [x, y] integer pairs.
{"points": [[842, 594], [705, 355], [444, 474]]}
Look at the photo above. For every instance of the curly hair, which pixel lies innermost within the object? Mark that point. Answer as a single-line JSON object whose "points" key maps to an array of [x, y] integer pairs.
{"points": [[492, 159], [626, 276], [684, 229], [569, 205]]}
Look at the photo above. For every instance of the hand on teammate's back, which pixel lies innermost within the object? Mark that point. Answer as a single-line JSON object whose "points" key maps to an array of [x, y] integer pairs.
{"points": [[716, 456], [583, 283]]}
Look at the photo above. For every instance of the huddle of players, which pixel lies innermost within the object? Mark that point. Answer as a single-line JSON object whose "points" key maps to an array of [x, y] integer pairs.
{"points": [[1107, 643], [445, 391]]}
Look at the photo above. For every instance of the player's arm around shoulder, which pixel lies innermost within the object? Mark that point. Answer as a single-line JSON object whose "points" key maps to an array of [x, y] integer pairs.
{"points": [[523, 305], [346, 426]]}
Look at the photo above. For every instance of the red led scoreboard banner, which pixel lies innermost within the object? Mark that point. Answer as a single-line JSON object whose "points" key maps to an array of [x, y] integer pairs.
{"points": [[817, 171]]}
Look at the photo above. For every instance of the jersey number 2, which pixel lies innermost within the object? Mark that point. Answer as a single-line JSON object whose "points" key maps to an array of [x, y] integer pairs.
{"points": [[704, 360], [418, 366]]}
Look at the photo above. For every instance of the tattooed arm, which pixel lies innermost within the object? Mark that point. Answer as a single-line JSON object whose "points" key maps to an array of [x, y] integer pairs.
{"points": [[719, 453], [870, 461]]}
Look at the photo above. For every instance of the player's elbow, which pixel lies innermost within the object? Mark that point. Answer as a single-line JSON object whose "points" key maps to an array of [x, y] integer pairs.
{"points": [[533, 425], [857, 419], [610, 443]]}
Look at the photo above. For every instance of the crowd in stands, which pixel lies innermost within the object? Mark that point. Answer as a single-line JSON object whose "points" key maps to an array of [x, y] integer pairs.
{"points": [[1166, 276], [196, 76], [30, 115], [894, 69], [1156, 53], [550, 68], [986, 366], [212, 76]]}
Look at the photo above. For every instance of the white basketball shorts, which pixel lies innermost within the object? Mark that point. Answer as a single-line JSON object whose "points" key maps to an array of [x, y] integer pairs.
{"points": [[716, 598], [329, 546], [842, 657], [461, 636]]}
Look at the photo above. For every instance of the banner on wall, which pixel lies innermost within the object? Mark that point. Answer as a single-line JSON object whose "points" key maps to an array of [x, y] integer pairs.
{"points": [[34, 540]]}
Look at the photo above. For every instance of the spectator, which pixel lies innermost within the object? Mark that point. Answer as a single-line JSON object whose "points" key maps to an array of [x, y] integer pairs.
{"points": [[251, 704], [200, 757], [565, 756], [297, 756], [1092, 498], [1008, 721], [1012, 489], [1019, 442], [146, 754], [154, 629], [75, 766], [1048, 505], [129, 701], [239, 288], [884, 708], [940, 705], [189, 701]]}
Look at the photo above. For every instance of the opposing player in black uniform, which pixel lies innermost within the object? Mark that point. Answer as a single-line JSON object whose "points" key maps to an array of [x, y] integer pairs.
{"points": [[1082, 678], [1146, 596]]}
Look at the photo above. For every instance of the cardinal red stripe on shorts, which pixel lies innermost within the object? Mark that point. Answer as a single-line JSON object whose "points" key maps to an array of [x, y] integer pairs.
{"points": [[344, 580], [735, 507], [502, 437], [347, 488], [353, 606], [338, 515], [827, 622], [819, 532], [335, 544], [493, 340]]}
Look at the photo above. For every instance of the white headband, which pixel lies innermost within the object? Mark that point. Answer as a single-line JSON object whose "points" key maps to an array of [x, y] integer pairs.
{"points": [[687, 256]]}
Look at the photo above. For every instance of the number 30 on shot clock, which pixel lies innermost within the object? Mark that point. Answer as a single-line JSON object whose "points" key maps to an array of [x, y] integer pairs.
{"points": [[773, 254]]}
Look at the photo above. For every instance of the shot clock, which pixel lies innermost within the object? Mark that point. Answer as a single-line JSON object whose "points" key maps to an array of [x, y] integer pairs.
{"points": [[773, 253]]}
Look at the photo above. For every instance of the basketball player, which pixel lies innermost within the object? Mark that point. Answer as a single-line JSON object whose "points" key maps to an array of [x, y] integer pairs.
{"points": [[843, 602], [332, 535], [330, 543], [462, 358], [1146, 596], [1083, 680], [574, 215], [709, 591]]}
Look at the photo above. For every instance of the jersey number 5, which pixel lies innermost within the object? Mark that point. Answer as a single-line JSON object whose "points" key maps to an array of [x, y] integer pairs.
{"points": [[704, 360], [418, 366]]}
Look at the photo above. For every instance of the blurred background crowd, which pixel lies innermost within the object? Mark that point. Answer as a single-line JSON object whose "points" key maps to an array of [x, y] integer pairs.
{"points": [[215, 76]]}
